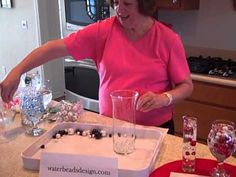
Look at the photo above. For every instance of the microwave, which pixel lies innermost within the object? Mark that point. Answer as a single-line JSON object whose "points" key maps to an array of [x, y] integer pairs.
{"points": [[84, 12]]}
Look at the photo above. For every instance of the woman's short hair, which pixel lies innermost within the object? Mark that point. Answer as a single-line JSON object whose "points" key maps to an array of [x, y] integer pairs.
{"points": [[146, 7]]}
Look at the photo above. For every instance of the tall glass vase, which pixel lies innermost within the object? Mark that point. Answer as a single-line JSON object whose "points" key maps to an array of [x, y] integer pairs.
{"points": [[124, 102]]}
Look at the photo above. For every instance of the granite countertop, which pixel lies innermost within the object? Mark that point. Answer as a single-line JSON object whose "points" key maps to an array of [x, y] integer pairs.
{"points": [[214, 80], [12, 166]]}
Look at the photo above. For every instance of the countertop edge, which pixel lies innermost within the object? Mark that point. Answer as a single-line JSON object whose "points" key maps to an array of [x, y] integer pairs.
{"points": [[214, 80]]}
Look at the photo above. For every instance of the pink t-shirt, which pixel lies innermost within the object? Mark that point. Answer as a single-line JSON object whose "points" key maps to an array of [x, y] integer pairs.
{"points": [[151, 63]]}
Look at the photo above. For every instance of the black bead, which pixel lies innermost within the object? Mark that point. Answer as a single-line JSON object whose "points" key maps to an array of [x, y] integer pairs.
{"points": [[62, 132], [42, 146], [79, 130], [97, 135], [95, 131]]}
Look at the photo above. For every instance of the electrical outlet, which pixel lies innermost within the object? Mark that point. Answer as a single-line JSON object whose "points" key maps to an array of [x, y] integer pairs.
{"points": [[24, 24]]}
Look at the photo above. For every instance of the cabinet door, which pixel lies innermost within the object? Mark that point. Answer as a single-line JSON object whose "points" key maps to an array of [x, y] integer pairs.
{"points": [[208, 102], [169, 4], [178, 4], [205, 114]]}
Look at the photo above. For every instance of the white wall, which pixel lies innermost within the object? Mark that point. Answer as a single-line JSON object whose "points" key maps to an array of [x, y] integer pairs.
{"points": [[212, 26], [15, 43]]}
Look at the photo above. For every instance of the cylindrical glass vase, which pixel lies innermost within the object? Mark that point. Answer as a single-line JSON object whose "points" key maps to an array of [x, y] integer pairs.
{"points": [[189, 144], [124, 102]]}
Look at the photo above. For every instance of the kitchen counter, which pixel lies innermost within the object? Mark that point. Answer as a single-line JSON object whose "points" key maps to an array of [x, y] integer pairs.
{"points": [[11, 162], [214, 80]]}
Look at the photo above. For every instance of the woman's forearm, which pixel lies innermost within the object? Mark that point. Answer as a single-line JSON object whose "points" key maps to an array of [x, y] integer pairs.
{"points": [[49, 51], [182, 90], [150, 100]]}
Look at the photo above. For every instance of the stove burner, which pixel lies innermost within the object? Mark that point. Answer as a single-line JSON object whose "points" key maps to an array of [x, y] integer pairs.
{"points": [[212, 66]]}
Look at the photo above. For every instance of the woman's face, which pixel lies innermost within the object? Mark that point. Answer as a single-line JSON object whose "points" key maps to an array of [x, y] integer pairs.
{"points": [[127, 12]]}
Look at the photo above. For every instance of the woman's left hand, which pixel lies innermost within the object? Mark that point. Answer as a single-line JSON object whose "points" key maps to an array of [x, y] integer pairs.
{"points": [[150, 101]]}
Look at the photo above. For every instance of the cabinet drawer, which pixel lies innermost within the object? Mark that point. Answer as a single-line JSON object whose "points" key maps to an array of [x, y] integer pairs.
{"points": [[206, 114], [213, 94]]}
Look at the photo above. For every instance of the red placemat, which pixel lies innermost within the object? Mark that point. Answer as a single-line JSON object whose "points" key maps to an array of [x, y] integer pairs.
{"points": [[203, 167]]}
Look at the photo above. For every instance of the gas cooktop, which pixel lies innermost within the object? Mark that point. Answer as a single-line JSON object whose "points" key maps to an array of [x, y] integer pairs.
{"points": [[214, 66]]}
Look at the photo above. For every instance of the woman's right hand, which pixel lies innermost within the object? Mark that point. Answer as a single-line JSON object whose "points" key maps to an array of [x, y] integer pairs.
{"points": [[9, 86]]}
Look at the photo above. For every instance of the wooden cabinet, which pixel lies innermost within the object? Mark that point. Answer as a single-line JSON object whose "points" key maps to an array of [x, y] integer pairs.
{"points": [[208, 103], [178, 4]]}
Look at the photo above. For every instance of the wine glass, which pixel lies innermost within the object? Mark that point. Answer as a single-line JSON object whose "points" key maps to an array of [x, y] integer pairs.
{"points": [[32, 109], [222, 143]]}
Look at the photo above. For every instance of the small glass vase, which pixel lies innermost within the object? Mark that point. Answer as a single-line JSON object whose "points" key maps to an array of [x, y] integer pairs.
{"points": [[7, 117]]}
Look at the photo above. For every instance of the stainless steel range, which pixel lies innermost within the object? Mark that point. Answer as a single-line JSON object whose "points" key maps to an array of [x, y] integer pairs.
{"points": [[82, 83], [214, 66]]}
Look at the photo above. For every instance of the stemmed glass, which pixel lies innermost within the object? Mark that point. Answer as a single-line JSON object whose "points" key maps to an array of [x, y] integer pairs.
{"points": [[32, 109], [222, 143]]}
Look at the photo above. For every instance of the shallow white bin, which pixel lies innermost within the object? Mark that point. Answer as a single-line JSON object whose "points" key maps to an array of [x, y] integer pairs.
{"points": [[138, 164]]}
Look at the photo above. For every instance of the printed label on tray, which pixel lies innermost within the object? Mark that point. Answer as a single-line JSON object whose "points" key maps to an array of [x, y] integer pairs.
{"points": [[65, 165]]}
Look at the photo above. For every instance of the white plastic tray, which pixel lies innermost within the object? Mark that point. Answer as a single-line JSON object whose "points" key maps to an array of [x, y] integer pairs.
{"points": [[137, 164]]}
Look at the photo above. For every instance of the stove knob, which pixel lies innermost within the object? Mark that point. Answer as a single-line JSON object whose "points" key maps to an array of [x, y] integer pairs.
{"points": [[221, 72], [230, 72], [225, 74], [211, 72]]}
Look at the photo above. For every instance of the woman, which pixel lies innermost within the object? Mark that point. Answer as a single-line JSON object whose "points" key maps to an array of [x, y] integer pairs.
{"points": [[131, 51]]}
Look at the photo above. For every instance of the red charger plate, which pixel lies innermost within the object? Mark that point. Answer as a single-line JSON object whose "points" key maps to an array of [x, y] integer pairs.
{"points": [[203, 167]]}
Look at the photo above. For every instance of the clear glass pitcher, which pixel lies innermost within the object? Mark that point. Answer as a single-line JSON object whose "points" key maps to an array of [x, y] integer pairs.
{"points": [[123, 105]]}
